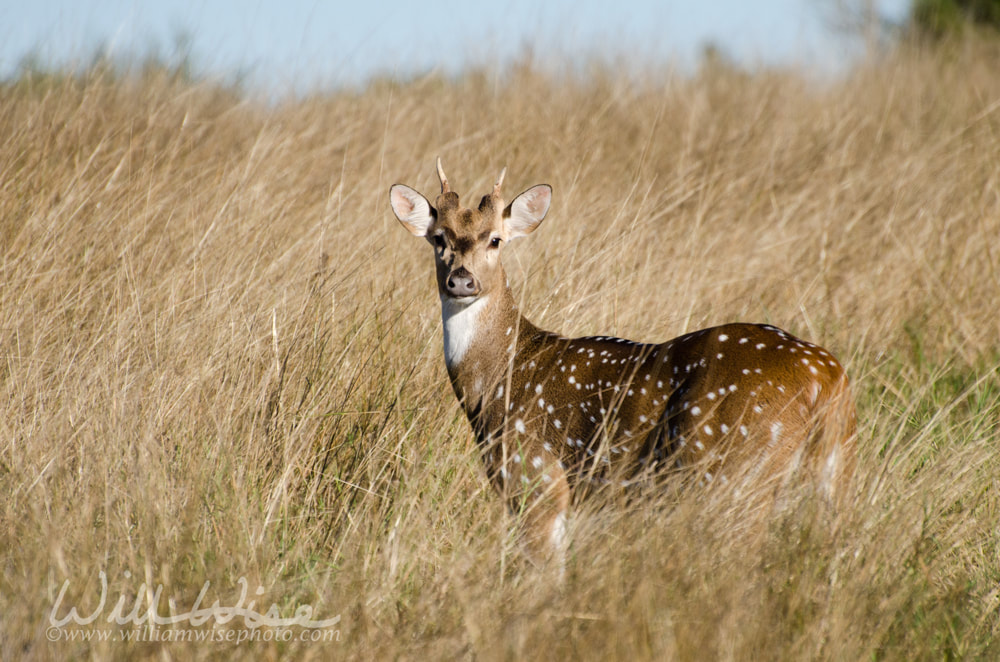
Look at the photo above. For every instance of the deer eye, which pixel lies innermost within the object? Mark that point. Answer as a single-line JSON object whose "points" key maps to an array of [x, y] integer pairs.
{"points": [[495, 242]]}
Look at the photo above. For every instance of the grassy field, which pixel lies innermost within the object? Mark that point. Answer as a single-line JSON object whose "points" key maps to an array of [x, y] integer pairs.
{"points": [[220, 359]]}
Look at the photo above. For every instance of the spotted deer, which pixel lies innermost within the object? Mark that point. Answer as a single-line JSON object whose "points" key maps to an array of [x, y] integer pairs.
{"points": [[552, 413]]}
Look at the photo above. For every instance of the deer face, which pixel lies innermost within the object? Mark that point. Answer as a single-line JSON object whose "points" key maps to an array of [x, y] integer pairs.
{"points": [[467, 242]]}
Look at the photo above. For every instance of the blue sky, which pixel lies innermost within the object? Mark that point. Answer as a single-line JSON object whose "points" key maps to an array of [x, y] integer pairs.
{"points": [[297, 44]]}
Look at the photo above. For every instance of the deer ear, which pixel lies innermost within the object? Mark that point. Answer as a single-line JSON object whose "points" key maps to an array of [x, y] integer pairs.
{"points": [[527, 210], [412, 209]]}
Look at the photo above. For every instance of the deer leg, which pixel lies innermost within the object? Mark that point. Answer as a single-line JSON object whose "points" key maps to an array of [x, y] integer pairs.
{"points": [[542, 509]]}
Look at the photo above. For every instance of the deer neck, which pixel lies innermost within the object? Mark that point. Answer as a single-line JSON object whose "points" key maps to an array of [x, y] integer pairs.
{"points": [[480, 337]]}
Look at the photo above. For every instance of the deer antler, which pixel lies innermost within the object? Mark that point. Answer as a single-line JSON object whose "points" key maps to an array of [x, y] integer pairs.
{"points": [[496, 187], [444, 180]]}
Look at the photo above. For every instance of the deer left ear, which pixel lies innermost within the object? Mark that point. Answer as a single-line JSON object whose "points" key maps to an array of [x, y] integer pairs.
{"points": [[412, 209], [527, 210]]}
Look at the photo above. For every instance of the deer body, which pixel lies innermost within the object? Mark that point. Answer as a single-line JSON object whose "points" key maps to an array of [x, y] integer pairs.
{"points": [[551, 413]]}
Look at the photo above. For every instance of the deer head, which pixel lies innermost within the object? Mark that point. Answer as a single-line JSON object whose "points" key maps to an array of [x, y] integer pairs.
{"points": [[467, 241]]}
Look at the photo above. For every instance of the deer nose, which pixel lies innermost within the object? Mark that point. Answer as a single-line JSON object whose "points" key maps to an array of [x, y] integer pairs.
{"points": [[461, 283]]}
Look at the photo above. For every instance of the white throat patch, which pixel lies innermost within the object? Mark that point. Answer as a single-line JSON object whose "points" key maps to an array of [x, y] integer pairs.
{"points": [[461, 323]]}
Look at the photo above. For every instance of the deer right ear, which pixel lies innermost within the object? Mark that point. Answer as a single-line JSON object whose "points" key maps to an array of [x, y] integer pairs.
{"points": [[412, 209], [528, 209]]}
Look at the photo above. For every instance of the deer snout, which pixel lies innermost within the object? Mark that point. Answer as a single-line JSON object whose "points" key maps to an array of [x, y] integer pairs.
{"points": [[461, 283]]}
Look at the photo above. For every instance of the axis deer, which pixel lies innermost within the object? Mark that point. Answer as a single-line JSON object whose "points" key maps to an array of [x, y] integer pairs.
{"points": [[552, 413]]}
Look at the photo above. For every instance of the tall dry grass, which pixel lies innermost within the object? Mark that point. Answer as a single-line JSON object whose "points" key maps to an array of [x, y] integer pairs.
{"points": [[221, 357]]}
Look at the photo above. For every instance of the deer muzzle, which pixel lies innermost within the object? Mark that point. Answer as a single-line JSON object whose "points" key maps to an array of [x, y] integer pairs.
{"points": [[461, 283]]}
